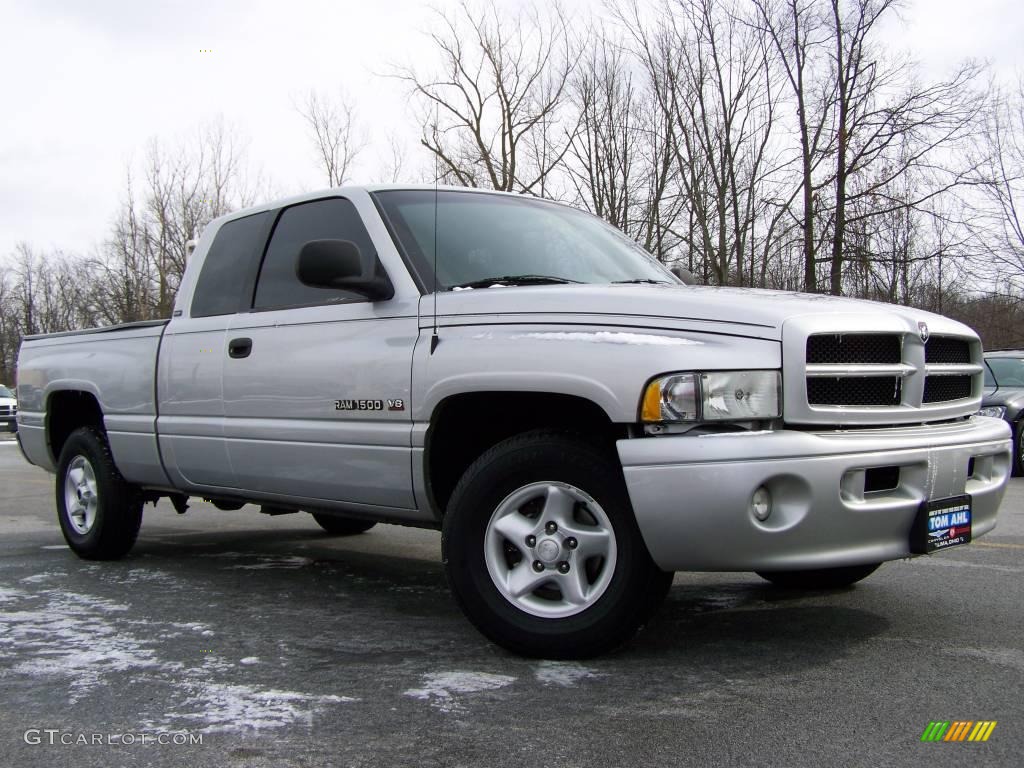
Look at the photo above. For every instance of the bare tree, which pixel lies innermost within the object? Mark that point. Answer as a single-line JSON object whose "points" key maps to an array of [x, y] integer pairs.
{"points": [[393, 165], [797, 30], [864, 120], [712, 80], [619, 163], [492, 111], [888, 124], [333, 128], [998, 209]]}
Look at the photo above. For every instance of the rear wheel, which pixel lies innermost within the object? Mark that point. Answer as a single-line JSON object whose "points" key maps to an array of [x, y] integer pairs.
{"points": [[820, 578], [98, 510], [543, 553], [342, 526]]}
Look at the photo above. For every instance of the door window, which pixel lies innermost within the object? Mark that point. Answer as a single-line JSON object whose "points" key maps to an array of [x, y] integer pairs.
{"points": [[331, 219]]}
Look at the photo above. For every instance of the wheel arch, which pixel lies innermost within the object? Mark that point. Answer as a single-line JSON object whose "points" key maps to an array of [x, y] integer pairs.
{"points": [[66, 411], [465, 425]]}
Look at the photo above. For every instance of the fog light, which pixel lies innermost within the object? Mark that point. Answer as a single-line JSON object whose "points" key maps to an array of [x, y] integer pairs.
{"points": [[761, 503]]}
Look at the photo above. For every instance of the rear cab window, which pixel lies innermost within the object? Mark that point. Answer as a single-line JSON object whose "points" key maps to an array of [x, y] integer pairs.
{"points": [[222, 281]]}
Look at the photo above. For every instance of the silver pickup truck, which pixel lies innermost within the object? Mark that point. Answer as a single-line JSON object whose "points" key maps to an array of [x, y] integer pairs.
{"points": [[576, 421]]}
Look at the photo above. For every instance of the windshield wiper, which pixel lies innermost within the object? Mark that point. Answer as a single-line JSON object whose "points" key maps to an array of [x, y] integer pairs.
{"points": [[514, 280], [641, 280]]}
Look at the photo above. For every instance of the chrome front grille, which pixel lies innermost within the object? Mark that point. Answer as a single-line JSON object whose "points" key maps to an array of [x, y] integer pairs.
{"points": [[947, 349], [943, 389], [840, 348], [859, 390], [881, 373], [868, 369], [8, 410]]}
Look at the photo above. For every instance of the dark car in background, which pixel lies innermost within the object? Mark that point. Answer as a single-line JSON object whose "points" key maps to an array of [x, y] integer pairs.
{"points": [[1004, 396]]}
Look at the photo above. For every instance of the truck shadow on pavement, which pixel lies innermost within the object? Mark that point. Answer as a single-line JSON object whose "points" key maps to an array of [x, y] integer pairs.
{"points": [[365, 601]]}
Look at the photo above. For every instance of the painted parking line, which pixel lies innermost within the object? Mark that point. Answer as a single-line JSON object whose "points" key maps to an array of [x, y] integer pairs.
{"points": [[999, 546]]}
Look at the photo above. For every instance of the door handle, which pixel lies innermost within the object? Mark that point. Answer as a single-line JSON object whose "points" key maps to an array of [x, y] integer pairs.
{"points": [[239, 348]]}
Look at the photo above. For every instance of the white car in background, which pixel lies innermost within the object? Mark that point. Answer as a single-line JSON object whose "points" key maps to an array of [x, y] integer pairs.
{"points": [[8, 410]]}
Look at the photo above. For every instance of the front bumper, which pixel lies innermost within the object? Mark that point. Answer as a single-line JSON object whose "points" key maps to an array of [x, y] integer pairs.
{"points": [[692, 494]]}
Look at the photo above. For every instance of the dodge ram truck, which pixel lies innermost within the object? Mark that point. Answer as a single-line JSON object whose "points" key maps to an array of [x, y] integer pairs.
{"points": [[577, 422]]}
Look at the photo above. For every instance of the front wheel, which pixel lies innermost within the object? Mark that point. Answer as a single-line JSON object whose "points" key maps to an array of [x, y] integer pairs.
{"points": [[543, 553], [98, 510], [820, 578]]}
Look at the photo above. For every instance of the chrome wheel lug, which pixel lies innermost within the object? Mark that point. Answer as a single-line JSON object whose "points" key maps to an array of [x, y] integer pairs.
{"points": [[563, 567], [551, 528], [538, 566], [571, 543], [531, 541]]}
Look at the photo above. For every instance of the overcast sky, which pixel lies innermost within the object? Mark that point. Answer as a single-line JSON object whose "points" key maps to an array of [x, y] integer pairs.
{"points": [[85, 83]]}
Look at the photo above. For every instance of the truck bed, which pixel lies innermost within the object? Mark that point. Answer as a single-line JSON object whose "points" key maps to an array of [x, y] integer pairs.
{"points": [[117, 366]]}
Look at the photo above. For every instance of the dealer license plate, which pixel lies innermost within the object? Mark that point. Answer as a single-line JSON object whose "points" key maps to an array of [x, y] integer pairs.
{"points": [[941, 524]]}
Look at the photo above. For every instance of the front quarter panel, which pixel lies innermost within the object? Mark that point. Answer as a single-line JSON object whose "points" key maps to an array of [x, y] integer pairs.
{"points": [[606, 365]]}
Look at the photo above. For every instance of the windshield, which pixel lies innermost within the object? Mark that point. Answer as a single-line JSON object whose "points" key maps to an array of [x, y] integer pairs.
{"points": [[1004, 372], [5, 392], [485, 236]]}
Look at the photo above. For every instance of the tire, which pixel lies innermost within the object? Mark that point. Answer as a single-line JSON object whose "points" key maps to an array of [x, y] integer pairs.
{"points": [[507, 499], [1018, 448], [342, 526], [820, 578], [98, 510]]}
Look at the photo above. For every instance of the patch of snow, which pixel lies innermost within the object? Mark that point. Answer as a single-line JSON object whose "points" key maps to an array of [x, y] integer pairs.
{"points": [[195, 626], [68, 636], [274, 563], [87, 641], [41, 577], [7, 595], [441, 689], [563, 673], [136, 575], [229, 707], [228, 554], [55, 546], [610, 337], [249, 660]]}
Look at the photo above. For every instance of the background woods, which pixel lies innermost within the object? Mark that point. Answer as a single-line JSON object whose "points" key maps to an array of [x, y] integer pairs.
{"points": [[767, 143]]}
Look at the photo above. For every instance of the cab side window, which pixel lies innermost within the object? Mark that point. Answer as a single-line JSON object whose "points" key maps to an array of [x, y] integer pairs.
{"points": [[331, 219], [222, 280]]}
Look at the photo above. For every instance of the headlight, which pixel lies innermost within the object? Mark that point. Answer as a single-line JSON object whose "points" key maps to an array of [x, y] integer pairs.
{"points": [[715, 396], [995, 411]]}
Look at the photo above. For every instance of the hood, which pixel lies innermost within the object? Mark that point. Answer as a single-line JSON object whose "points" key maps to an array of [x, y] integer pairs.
{"points": [[1012, 397], [739, 311]]}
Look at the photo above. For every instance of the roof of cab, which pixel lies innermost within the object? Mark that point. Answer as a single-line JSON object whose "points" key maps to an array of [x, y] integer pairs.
{"points": [[348, 188]]}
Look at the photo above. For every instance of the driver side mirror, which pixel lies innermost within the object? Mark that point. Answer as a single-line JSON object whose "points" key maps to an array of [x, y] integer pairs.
{"points": [[340, 264], [684, 274]]}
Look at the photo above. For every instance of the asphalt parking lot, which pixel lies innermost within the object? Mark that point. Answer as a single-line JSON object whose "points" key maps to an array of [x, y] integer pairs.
{"points": [[278, 645]]}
